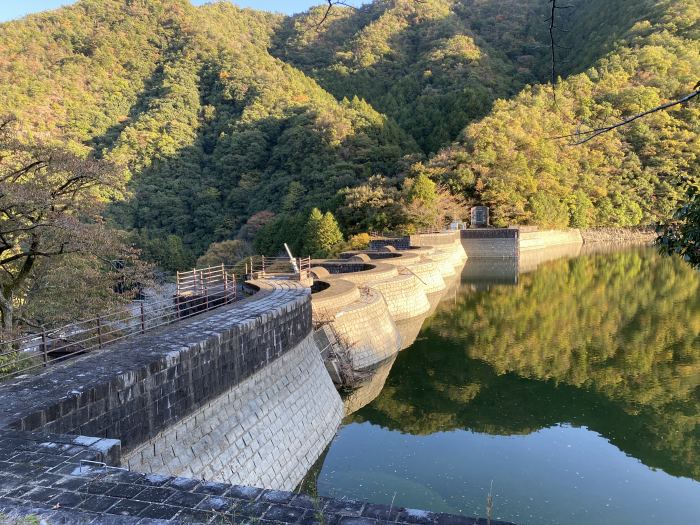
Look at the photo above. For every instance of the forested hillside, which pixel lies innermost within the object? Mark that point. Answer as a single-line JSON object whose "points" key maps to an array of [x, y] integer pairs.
{"points": [[233, 124], [632, 176]]}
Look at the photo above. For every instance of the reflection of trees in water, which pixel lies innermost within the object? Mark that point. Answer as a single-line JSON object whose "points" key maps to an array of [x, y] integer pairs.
{"points": [[610, 342]]}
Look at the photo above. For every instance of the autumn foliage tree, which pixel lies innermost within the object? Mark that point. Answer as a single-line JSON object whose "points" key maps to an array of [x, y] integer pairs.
{"points": [[50, 223]]}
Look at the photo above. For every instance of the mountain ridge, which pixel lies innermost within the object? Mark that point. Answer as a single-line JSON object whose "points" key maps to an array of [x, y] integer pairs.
{"points": [[225, 117]]}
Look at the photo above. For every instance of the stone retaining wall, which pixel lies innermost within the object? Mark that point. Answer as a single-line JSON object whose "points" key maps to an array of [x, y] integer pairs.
{"points": [[134, 389], [404, 295], [485, 243], [406, 281], [511, 242], [265, 432], [428, 273], [369, 329]]}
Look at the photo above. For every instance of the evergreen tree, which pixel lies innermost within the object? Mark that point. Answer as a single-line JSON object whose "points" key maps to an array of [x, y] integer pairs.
{"points": [[312, 238], [323, 237], [330, 237]]}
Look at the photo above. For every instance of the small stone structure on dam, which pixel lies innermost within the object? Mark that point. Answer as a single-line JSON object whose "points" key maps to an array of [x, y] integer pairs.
{"points": [[221, 416]]}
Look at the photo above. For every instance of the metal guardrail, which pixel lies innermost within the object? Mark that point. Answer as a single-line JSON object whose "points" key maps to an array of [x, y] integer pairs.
{"points": [[396, 235], [263, 265], [197, 291]]}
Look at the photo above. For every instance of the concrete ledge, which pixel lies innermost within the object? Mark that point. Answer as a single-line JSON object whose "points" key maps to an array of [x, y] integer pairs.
{"points": [[364, 274]]}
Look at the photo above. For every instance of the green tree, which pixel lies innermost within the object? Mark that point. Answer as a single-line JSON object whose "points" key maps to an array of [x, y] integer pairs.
{"points": [[323, 237], [681, 236]]}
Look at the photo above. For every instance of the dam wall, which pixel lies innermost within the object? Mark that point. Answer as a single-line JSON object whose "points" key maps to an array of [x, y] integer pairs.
{"points": [[487, 242], [253, 364], [137, 388], [360, 319], [540, 239], [376, 300], [239, 396], [265, 432], [512, 242]]}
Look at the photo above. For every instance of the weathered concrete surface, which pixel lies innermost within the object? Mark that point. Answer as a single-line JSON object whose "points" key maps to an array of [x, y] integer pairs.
{"points": [[265, 432], [537, 240], [512, 242]]}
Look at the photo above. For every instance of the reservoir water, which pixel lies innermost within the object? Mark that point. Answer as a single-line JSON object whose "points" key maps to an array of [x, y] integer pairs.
{"points": [[568, 389]]}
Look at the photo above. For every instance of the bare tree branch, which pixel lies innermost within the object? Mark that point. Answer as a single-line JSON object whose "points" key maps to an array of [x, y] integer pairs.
{"points": [[585, 136], [554, 7], [329, 8]]}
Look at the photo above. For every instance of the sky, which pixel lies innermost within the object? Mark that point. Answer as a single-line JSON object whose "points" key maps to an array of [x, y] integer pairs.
{"points": [[11, 9]]}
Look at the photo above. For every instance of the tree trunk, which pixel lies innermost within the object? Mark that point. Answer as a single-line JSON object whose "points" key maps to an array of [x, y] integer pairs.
{"points": [[6, 311]]}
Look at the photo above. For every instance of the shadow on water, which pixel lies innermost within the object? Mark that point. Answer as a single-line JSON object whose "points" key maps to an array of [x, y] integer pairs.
{"points": [[600, 350]]}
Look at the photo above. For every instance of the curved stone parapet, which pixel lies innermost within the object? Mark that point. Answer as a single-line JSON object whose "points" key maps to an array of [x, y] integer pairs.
{"points": [[358, 273], [265, 432], [399, 259], [414, 261], [428, 273], [445, 262], [404, 296], [338, 294], [369, 331], [421, 250], [239, 394]]}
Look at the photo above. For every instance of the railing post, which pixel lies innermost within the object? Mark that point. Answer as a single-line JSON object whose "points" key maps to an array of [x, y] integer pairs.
{"points": [[44, 349], [226, 301], [143, 319], [206, 292], [99, 331]]}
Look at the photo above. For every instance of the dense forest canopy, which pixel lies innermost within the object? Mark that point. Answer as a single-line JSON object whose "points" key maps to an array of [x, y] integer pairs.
{"points": [[232, 124]]}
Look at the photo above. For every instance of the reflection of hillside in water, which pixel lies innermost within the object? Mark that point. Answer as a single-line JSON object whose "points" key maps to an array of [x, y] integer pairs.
{"points": [[606, 341]]}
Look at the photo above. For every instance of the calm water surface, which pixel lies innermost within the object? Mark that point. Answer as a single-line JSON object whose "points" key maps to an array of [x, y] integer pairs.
{"points": [[573, 387]]}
